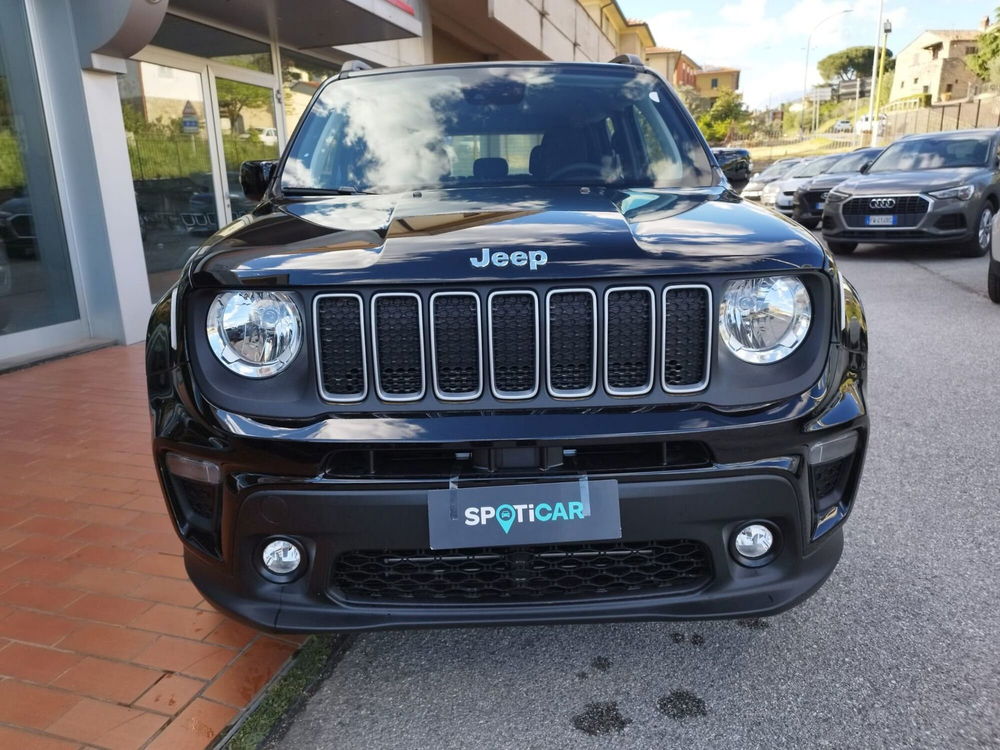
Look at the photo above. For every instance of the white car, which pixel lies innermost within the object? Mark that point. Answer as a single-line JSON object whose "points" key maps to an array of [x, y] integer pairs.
{"points": [[864, 124], [781, 194], [842, 126]]}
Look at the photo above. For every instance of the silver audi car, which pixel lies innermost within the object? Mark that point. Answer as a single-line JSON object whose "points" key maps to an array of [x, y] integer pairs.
{"points": [[936, 188]]}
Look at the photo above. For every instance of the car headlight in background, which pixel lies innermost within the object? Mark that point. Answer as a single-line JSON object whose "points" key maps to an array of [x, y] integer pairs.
{"points": [[835, 196], [254, 334], [769, 193], [764, 320], [962, 192]]}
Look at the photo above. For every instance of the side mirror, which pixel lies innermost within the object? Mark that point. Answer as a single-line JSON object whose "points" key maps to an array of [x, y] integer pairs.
{"points": [[865, 167], [255, 176]]}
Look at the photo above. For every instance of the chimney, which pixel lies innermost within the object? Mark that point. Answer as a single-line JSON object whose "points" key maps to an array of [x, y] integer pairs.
{"points": [[985, 23]]}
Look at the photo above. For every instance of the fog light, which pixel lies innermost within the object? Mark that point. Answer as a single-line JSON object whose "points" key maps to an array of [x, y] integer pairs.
{"points": [[281, 557], [754, 541]]}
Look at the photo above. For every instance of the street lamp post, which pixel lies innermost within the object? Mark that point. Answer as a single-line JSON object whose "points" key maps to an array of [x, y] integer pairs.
{"points": [[886, 30], [871, 98], [805, 76]]}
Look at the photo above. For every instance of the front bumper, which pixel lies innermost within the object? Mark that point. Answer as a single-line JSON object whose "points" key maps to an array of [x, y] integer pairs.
{"points": [[277, 480], [945, 221]]}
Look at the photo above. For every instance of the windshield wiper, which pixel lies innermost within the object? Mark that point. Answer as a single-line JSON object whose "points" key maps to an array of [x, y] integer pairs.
{"points": [[342, 190]]}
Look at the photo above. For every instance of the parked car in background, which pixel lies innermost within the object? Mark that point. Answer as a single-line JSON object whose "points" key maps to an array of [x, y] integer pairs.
{"points": [[842, 126], [784, 193], [17, 227], [736, 163], [933, 188], [753, 189], [810, 196], [993, 274], [864, 124]]}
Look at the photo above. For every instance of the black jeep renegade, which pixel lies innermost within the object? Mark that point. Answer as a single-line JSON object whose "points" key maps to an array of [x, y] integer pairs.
{"points": [[499, 345]]}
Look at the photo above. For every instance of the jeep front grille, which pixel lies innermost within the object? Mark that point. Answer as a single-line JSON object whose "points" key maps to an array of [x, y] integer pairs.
{"points": [[509, 344]]}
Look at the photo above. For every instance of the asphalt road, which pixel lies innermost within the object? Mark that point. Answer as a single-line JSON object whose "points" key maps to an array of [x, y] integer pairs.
{"points": [[900, 648]]}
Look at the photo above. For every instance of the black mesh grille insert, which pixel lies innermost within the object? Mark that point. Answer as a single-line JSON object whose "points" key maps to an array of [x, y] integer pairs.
{"points": [[456, 343], [505, 574], [341, 350], [629, 340], [571, 341], [685, 337], [905, 204], [514, 341], [399, 344]]}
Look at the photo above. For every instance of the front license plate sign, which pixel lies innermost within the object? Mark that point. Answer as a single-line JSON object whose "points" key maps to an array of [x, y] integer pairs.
{"points": [[513, 515], [820, 205], [881, 221]]}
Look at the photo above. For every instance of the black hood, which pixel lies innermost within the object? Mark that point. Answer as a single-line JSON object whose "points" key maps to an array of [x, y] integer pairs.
{"points": [[431, 236]]}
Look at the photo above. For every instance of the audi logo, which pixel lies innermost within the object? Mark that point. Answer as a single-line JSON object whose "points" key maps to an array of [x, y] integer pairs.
{"points": [[882, 203]]}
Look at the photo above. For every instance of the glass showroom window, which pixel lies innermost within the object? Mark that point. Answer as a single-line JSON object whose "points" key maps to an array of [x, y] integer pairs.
{"points": [[36, 279], [301, 75]]}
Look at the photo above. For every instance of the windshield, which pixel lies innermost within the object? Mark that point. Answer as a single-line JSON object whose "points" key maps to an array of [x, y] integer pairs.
{"points": [[854, 161], [814, 167], [934, 153], [483, 126], [776, 170]]}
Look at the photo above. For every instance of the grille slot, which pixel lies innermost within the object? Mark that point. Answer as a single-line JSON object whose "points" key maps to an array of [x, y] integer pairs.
{"points": [[687, 312], [629, 332], [456, 348], [513, 329], [571, 322], [340, 332], [398, 346], [505, 574]]}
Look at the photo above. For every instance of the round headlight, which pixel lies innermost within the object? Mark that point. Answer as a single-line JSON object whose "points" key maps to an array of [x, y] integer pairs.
{"points": [[255, 334], [764, 320]]}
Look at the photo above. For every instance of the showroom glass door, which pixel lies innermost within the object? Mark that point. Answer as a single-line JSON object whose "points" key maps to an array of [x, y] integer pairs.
{"points": [[248, 130], [171, 147]]}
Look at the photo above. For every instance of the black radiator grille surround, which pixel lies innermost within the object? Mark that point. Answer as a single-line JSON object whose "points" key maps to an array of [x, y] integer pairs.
{"points": [[686, 311], [509, 574], [343, 373], [513, 345], [572, 351]]}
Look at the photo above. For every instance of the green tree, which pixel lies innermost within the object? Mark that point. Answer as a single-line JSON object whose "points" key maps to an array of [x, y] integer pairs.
{"points": [[986, 62], [697, 104], [850, 63], [728, 117], [234, 97]]}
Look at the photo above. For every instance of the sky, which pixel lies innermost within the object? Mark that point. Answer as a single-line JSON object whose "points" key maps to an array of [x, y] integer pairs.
{"points": [[766, 39]]}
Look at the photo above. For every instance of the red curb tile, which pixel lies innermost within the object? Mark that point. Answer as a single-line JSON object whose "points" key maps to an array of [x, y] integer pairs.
{"points": [[45, 547], [182, 621], [170, 694], [108, 640], [50, 571], [33, 707], [168, 591], [105, 581], [39, 596], [35, 627], [107, 725], [50, 525], [105, 557], [14, 738], [160, 565], [250, 672], [182, 655], [233, 634], [35, 663], [195, 728], [116, 610], [110, 680]]}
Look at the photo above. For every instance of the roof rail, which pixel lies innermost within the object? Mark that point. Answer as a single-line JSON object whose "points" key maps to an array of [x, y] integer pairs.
{"points": [[628, 60], [352, 65]]}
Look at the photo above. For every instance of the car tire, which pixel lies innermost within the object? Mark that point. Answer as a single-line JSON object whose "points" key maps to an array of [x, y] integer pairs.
{"points": [[993, 281], [809, 223], [981, 241], [842, 248]]}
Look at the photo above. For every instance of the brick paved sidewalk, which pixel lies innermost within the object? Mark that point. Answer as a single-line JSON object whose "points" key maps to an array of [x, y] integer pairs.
{"points": [[103, 641]]}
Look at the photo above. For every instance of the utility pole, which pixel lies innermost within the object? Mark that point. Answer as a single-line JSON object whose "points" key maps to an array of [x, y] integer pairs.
{"points": [[886, 30], [871, 103], [805, 76]]}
